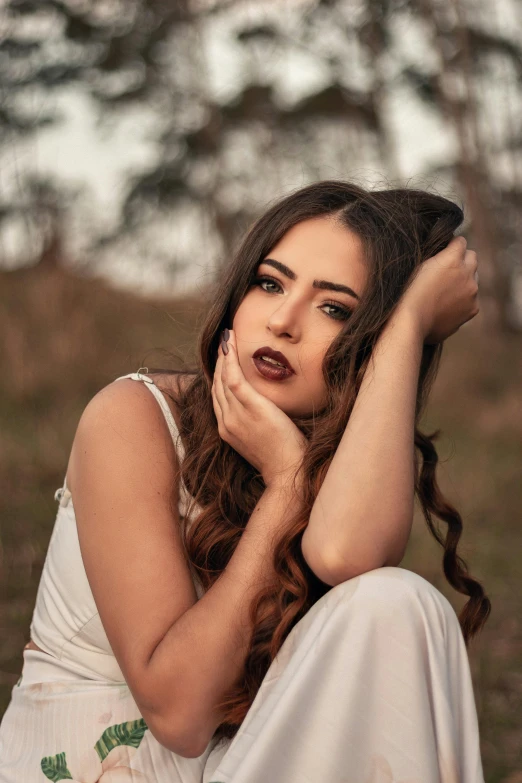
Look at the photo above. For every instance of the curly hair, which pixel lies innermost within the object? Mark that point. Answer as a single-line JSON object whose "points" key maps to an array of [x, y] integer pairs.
{"points": [[399, 229]]}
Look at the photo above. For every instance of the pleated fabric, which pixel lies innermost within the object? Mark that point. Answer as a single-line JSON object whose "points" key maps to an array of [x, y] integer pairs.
{"points": [[373, 685]]}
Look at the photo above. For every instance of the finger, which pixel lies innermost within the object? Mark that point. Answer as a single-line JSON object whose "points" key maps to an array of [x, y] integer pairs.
{"points": [[215, 398], [219, 386], [471, 262], [231, 408], [229, 402], [217, 410], [459, 243], [457, 247], [230, 363], [452, 254], [219, 390], [234, 378], [471, 265], [224, 378]]}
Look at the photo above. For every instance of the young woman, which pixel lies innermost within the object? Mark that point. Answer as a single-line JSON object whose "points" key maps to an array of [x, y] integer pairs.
{"points": [[222, 598]]}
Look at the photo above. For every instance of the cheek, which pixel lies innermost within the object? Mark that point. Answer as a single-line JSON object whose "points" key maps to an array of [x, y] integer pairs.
{"points": [[237, 325], [311, 363], [240, 327], [244, 315]]}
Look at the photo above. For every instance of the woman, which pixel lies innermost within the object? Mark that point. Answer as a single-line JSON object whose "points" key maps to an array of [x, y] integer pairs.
{"points": [[223, 602]]}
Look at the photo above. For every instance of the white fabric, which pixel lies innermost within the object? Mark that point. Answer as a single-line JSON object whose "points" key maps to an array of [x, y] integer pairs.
{"points": [[372, 686], [65, 621]]}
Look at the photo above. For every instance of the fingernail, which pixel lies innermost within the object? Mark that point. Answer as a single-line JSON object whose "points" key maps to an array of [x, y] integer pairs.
{"points": [[226, 335], [224, 347]]}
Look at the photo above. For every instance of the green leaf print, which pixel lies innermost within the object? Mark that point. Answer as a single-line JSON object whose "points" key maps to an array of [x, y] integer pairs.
{"points": [[130, 733], [55, 767]]}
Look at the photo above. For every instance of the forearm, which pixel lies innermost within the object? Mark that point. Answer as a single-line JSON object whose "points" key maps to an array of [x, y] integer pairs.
{"points": [[203, 653], [363, 512]]}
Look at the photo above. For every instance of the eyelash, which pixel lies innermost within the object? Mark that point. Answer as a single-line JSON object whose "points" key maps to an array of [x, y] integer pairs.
{"points": [[345, 312]]}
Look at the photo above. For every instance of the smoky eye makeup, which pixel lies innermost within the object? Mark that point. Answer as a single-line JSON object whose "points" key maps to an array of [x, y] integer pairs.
{"points": [[342, 312]]}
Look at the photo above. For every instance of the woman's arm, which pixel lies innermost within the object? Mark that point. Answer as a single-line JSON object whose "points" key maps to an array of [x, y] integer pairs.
{"points": [[179, 656], [363, 513], [202, 654]]}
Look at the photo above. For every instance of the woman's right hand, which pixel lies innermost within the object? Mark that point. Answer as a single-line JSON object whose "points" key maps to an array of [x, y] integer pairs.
{"points": [[252, 424], [443, 293]]}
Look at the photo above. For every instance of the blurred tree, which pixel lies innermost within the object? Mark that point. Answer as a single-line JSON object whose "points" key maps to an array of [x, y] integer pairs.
{"points": [[464, 51], [312, 97]]}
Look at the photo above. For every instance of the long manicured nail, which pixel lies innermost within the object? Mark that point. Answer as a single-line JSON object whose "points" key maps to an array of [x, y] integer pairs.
{"points": [[226, 335], [224, 347]]}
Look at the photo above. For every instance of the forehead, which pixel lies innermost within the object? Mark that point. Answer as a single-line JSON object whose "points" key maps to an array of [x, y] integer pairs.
{"points": [[322, 245]]}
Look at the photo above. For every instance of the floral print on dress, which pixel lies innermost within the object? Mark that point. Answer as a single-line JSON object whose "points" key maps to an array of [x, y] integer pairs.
{"points": [[381, 772], [113, 750]]}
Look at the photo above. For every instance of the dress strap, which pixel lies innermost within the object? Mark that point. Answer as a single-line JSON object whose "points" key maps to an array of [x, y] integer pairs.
{"points": [[149, 383], [63, 494], [173, 427]]}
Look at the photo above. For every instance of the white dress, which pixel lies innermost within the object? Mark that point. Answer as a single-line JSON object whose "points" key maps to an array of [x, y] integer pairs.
{"points": [[373, 685]]}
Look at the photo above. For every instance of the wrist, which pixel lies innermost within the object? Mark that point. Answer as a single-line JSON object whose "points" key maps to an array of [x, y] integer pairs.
{"points": [[285, 480], [407, 321]]}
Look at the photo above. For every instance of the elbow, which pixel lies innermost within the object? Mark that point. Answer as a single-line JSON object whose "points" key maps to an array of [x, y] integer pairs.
{"points": [[343, 568], [178, 735], [318, 564], [332, 568], [171, 725], [333, 565], [165, 710]]}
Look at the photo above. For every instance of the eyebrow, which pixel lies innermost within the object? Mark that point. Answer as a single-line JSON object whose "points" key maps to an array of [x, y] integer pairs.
{"points": [[326, 285]]}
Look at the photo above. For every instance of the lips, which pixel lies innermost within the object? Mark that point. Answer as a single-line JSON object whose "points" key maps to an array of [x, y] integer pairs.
{"points": [[276, 355]]}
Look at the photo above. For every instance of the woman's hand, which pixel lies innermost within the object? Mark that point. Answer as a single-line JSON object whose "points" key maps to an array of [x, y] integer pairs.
{"points": [[253, 425], [443, 293]]}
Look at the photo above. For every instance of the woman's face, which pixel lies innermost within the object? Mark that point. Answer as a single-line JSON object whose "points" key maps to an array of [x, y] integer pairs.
{"points": [[296, 314]]}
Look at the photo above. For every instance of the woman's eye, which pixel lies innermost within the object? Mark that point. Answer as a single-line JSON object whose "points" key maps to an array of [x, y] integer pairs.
{"points": [[342, 314], [259, 280]]}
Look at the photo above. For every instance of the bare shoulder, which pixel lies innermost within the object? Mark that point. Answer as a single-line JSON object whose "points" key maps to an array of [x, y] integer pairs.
{"points": [[129, 406]]}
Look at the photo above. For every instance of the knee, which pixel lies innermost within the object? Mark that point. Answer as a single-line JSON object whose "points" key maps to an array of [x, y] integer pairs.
{"points": [[391, 594]]}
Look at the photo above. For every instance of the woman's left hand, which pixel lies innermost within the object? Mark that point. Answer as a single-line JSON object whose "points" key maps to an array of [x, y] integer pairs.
{"points": [[443, 292], [252, 424]]}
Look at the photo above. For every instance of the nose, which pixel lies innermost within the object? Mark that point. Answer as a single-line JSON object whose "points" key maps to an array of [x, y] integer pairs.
{"points": [[285, 320]]}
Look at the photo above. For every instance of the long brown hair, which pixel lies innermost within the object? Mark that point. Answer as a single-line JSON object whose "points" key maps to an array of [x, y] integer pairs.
{"points": [[399, 229]]}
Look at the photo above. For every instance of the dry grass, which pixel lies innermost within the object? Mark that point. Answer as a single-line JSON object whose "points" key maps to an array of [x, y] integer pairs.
{"points": [[64, 338]]}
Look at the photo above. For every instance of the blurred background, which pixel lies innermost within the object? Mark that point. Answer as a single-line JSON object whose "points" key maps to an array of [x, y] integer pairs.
{"points": [[138, 141]]}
